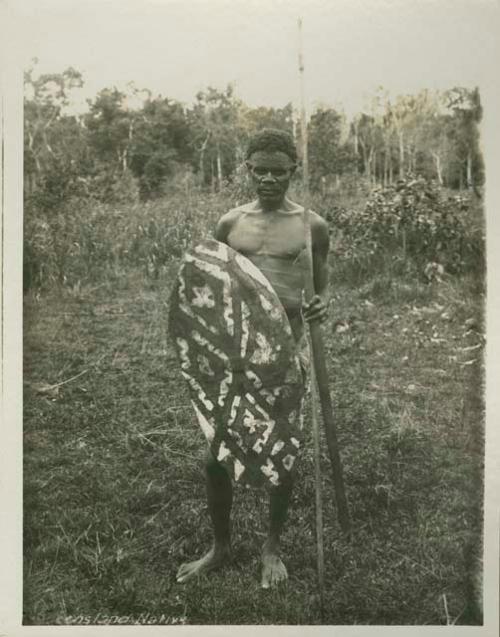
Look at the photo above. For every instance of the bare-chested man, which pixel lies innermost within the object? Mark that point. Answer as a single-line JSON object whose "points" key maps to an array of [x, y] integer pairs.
{"points": [[270, 232]]}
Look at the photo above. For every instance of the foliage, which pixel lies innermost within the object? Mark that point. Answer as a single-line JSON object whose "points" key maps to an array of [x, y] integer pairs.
{"points": [[330, 154], [434, 134], [416, 221]]}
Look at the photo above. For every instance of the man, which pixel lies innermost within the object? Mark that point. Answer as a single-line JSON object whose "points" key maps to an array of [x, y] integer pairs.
{"points": [[270, 232]]}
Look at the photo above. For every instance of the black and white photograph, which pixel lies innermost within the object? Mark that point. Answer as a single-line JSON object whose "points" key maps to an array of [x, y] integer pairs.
{"points": [[253, 288]]}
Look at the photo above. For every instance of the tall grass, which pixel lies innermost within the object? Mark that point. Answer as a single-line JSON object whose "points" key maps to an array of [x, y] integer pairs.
{"points": [[83, 241]]}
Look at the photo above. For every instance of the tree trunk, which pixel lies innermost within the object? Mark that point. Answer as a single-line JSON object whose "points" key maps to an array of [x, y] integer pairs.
{"points": [[401, 155], [439, 170], [367, 160], [356, 147], [386, 166], [202, 159], [219, 169], [470, 183], [408, 159]]}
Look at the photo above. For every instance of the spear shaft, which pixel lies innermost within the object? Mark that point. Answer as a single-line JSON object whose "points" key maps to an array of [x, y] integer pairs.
{"points": [[319, 373]]}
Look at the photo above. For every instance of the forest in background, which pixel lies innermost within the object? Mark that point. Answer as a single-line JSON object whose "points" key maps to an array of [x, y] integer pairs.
{"points": [[136, 178], [134, 144]]}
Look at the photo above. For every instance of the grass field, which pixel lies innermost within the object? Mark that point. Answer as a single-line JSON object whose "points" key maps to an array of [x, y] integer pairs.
{"points": [[114, 494]]}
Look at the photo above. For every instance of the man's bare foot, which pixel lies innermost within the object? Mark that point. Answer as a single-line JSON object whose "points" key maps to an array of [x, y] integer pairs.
{"points": [[217, 556], [273, 570]]}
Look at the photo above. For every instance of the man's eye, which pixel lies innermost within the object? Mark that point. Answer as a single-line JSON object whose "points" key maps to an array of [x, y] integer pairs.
{"points": [[260, 171], [278, 172]]}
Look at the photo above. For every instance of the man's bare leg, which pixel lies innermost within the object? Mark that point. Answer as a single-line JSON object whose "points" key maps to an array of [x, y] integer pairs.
{"points": [[273, 569], [220, 499]]}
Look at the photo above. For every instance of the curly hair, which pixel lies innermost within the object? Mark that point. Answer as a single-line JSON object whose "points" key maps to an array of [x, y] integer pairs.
{"points": [[270, 140]]}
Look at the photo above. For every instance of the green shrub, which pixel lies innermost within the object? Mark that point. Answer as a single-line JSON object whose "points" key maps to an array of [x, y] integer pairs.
{"points": [[417, 222]]}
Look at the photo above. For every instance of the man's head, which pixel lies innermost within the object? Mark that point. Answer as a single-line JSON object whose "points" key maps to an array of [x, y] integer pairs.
{"points": [[271, 159]]}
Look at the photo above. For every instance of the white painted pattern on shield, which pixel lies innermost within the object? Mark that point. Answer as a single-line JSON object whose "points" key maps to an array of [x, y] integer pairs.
{"points": [[249, 421], [238, 469], [263, 352], [201, 340], [199, 391], [269, 471], [288, 461], [268, 397], [185, 307], [204, 297], [224, 386], [250, 398], [272, 310], [234, 410], [295, 442], [257, 383], [264, 414], [265, 436], [265, 418], [278, 446], [215, 271], [248, 267], [207, 428], [220, 252], [204, 365], [223, 452], [239, 440], [245, 332], [183, 350]]}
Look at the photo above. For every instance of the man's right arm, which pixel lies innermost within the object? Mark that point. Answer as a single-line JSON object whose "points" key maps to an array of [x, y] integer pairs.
{"points": [[224, 226]]}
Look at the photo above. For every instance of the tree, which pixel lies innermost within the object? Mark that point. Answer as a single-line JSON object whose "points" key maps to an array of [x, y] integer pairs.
{"points": [[217, 131], [56, 154], [465, 106], [108, 123], [328, 154], [161, 141]]}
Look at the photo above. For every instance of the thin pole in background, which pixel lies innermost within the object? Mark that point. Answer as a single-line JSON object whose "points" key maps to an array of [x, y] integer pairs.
{"points": [[309, 294], [319, 374]]}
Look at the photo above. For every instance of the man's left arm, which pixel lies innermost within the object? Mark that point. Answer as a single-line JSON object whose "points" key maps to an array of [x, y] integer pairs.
{"points": [[317, 308]]}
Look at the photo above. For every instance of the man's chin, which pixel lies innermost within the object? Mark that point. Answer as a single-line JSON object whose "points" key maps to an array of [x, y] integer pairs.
{"points": [[270, 199]]}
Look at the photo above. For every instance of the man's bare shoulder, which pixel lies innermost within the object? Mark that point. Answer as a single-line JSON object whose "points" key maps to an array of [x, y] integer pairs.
{"points": [[318, 224], [229, 218], [319, 231]]}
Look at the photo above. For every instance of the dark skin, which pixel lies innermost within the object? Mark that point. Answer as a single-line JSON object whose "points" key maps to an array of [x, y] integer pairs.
{"points": [[271, 174]]}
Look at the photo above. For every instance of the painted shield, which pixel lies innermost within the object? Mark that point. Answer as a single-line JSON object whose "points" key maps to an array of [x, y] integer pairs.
{"points": [[239, 358]]}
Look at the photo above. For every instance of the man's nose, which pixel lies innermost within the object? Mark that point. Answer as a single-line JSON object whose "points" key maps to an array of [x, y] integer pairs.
{"points": [[268, 177]]}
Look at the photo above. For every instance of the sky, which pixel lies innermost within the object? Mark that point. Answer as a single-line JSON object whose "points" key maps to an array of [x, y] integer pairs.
{"points": [[179, 48]]}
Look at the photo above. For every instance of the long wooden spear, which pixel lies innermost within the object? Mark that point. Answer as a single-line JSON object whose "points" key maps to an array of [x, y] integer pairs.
{"points": [[319, 374]]}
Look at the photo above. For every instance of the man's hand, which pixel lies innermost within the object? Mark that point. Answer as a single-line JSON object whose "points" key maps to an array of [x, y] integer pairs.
{"points": [[315, 310]]}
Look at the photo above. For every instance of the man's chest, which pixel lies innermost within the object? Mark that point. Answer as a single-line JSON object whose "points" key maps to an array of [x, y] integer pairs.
{"points": [[278, 235]]}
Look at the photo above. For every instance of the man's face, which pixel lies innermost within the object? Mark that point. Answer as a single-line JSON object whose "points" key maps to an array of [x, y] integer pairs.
{"points": [[271, 173]]}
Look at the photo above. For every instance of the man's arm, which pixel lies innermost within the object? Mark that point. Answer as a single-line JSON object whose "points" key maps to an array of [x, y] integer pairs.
{"points": [[317, 308], [224, 226], [320, 247]]}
